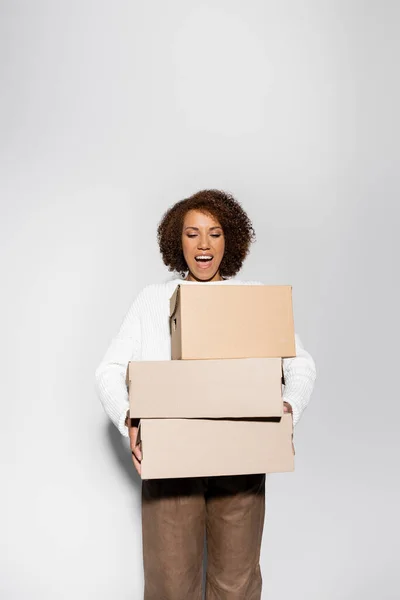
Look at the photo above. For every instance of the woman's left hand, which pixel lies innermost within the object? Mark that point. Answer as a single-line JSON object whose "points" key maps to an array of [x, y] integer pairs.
{"points": [[287, 407]]}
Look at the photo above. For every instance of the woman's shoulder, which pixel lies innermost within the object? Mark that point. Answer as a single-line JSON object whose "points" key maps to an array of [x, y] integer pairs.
{"points": [[154, 291]]}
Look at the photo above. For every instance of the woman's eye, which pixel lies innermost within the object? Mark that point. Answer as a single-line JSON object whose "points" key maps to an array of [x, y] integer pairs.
{"points": [[192, 235]]}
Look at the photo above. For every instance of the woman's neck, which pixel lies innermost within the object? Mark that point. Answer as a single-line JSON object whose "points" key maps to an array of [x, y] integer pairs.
{"points": [[190, 277]]}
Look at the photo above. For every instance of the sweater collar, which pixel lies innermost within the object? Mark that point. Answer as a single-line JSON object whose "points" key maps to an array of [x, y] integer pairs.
{"points": [[221, 282]]}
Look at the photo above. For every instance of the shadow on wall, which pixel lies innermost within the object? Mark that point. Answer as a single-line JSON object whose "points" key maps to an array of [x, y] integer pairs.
{"points": [[122, 453]]}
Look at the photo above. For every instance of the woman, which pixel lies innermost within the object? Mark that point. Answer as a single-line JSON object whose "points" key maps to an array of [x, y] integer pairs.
{"points": [[205, 238]]}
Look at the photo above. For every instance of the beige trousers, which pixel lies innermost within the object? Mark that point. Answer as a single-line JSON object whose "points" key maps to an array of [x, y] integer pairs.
{"points": [[178, 513]]}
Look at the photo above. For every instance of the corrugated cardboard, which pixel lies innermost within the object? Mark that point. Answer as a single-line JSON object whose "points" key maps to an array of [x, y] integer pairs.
{"points": [[235, 321], [206, 447], [246, 387]]}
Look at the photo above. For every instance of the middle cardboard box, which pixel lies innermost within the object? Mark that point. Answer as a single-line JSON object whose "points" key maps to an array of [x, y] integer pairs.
{"points": [[235, 388]]}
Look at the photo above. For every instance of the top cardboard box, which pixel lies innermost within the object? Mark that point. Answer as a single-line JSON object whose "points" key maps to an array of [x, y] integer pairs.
{"points": [[235, 321]]}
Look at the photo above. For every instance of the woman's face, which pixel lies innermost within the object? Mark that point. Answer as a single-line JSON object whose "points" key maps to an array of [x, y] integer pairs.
{"points": [[202, 236]]}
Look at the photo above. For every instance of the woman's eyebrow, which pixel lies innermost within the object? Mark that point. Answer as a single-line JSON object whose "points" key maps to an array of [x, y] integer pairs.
{"points": [[197, 229]]}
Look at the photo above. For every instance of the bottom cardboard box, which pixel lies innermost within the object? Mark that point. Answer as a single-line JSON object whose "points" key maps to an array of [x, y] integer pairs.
{"points": [[207, 447]]}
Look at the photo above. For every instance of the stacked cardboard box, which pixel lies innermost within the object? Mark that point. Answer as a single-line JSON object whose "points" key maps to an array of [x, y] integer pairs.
{"points": [[216, 408]]}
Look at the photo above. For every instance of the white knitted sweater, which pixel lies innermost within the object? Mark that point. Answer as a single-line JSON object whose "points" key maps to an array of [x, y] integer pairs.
{"points": [[144, 335]]}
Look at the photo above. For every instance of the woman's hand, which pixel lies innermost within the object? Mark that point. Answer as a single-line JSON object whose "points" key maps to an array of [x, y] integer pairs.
{"points": [[287, 407], [133, 427]]}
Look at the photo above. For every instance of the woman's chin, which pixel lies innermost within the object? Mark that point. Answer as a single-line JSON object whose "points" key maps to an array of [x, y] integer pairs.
{"points": [[204, 274]]}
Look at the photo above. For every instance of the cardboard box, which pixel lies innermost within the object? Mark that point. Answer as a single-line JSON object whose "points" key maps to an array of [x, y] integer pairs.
{"points": [[207, 447], [246, 387], [235, 321]]}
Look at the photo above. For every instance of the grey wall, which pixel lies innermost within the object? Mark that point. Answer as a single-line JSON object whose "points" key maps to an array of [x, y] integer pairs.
{"points": [[110, 112]]}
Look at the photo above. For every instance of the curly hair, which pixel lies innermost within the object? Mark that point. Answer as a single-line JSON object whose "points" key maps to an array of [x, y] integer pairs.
{"points": [[237, 227]]}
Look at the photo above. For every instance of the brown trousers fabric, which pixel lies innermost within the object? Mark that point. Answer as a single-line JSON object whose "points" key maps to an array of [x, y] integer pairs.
{"points": [[178, 513]]}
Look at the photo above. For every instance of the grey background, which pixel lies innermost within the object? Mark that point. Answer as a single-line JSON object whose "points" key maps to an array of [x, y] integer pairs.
{"points": [[110, 112]]}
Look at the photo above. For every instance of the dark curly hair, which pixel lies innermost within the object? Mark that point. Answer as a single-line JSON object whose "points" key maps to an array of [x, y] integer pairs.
{"points": [[237, 227]]}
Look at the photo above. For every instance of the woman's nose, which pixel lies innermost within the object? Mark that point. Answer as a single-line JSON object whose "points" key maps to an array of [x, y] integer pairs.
{"points": [[203, 245]]}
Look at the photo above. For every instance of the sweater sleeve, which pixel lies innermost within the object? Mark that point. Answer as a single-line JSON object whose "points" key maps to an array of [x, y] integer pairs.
{"points": [[111, 373], [299, 375]]}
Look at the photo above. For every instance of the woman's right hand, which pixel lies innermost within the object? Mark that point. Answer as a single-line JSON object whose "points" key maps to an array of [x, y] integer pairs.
{"points": [[135, 448]]}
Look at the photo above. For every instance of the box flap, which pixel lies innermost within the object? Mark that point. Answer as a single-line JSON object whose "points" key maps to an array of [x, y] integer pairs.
{"points": [[175, 323], [127, 378], [174, 301]]}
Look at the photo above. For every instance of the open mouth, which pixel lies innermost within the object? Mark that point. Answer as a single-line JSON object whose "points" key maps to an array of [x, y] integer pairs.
{"points": [[204, 260]]}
